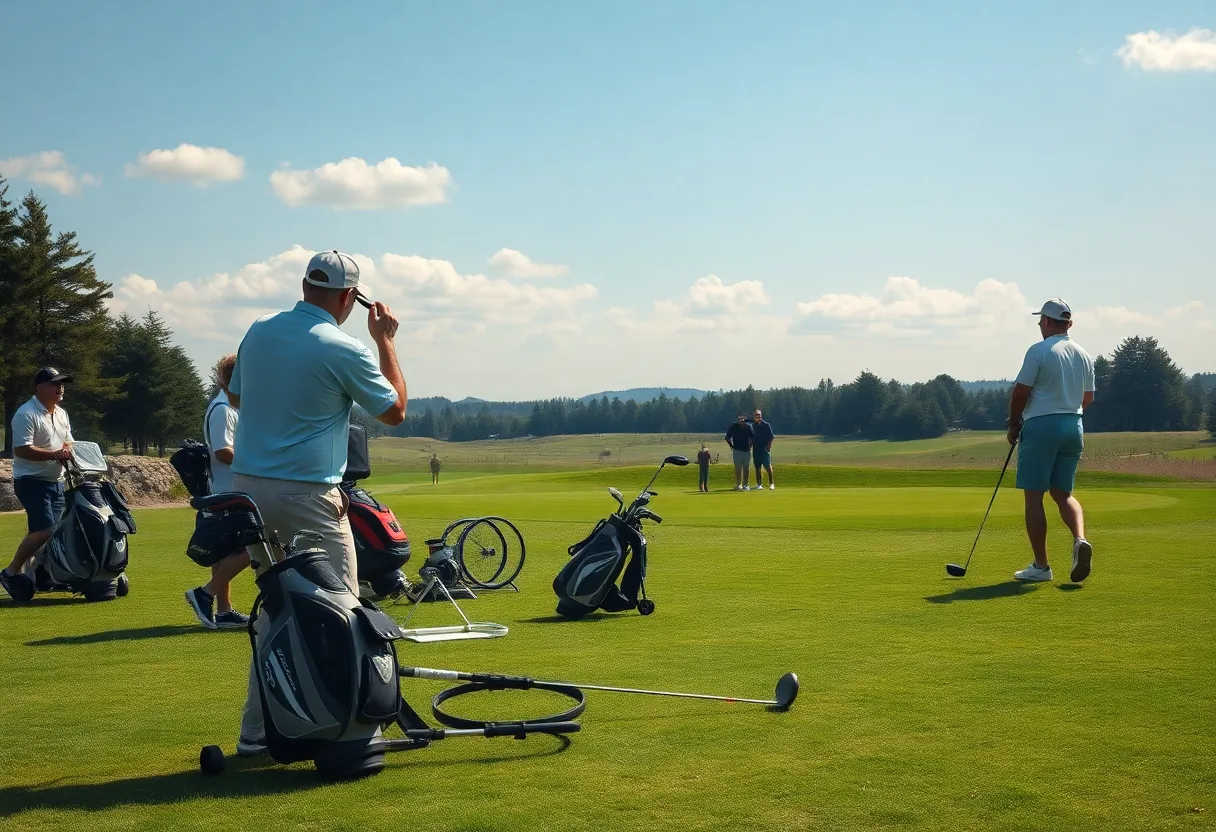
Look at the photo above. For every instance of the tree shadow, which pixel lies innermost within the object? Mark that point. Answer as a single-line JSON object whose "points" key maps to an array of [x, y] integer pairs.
{"points": [[136, 634], [242, 777], [1006, 589]]}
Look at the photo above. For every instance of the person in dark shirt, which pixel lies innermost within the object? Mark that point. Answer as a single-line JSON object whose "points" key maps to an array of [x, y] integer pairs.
{"points": [[703, 464], [740, 436], [762, 450]]}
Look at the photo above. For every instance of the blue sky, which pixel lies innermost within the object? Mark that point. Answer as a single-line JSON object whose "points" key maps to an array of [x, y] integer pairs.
{"points": [[691, 194]]}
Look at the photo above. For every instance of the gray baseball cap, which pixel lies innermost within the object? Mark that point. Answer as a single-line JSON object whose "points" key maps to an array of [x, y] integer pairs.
{"points": [[1056, 309], [339, 270]]}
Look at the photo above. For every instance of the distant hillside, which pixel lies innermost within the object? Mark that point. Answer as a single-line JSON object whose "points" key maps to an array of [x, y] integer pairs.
{"points": [[645, 394]]}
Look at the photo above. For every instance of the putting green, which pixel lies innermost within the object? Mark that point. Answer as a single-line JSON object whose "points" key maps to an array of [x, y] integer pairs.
{"points": [[927, 702]]}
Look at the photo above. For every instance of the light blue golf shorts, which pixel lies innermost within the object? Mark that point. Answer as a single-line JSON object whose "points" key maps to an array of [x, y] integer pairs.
{"points": [[1049, 452]]}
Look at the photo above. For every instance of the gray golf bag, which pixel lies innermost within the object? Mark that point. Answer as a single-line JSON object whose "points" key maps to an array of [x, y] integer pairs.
{"points": [[87, 552], [588, 580], [324, 659]]}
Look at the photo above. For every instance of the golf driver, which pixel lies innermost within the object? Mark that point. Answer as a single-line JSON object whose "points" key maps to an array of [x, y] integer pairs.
{"points": [[959, 571], [784, 695]]}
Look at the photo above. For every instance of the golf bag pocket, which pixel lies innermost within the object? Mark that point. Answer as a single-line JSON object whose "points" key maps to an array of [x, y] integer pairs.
{"points": [[379, 685], [218, 534], [574, 549], [123, 520]]}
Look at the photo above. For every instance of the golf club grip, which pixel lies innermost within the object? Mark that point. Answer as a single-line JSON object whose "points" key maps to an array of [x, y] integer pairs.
{"points": [[519, 729], [490, 679]]}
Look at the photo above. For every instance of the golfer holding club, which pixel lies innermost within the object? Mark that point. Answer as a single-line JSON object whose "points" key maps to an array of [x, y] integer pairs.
{"points": [[295, 379], [1052, 390]]}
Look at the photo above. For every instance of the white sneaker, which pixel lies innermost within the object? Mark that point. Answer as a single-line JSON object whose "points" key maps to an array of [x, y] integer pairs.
{"points": [[771, 486], [738, 488], [1082, 554], [1033, 573]]}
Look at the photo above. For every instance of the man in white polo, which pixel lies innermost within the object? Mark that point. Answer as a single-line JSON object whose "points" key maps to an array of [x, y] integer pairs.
{"points": [[42, 443], [1052, 390], [295, 379]]}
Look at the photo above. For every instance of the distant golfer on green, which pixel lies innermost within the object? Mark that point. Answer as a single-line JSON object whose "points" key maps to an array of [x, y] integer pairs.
{"points": [[435, 466], [1052, 390]]}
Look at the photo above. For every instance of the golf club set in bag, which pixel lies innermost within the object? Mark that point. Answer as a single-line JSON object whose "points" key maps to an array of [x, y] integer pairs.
{"points": [[87, 552], [326, 663]]}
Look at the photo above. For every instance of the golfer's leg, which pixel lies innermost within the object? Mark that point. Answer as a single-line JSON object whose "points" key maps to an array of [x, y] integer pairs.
{"points": [[1070, 512], [1036, 526], [769, 468], [222, 573], [759, 466], [27, 549], [253, 723]]}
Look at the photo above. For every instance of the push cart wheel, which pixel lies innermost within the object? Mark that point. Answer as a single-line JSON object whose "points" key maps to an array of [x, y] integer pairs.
{"points": [[211, 759], [506, 535], [482, 551]]}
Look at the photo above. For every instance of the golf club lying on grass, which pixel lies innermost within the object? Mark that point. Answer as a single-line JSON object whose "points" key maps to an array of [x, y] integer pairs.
{"points": [[784, 695], [959, 571]]}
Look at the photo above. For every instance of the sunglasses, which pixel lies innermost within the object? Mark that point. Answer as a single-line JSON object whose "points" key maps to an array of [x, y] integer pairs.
{"points": [[364, 302]]}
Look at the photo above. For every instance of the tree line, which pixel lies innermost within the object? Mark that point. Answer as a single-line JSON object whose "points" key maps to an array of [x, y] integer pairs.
{"points": [[135, 387], [132, 385], [1140, 389]]}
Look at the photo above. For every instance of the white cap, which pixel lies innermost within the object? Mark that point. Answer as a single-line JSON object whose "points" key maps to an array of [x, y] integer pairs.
{"points": [[1056, 309], [340, 270]]}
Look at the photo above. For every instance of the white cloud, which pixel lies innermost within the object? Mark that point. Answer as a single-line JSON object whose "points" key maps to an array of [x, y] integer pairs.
{"points": [[353, 183], [1151, 50], [709, 305], [48, 168], [468, 314], [189, 163], [517, 264], [906, 308], [1195, 307]]}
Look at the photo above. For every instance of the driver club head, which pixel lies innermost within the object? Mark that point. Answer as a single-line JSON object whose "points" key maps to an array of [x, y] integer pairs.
{"points": [[955, 570], [787, 691], [676, 460]]}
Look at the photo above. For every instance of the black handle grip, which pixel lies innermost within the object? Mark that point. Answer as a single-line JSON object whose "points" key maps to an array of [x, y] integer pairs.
{"points": [[519, 729]]}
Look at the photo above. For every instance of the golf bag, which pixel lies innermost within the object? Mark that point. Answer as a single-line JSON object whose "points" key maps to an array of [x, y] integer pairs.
{"points": [[87, 552], [588, 580], [222, 531], [381, 545], [326, 669]]}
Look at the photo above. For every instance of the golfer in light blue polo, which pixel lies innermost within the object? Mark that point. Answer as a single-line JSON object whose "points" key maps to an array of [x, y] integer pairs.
{"points": [[1052, 390]]}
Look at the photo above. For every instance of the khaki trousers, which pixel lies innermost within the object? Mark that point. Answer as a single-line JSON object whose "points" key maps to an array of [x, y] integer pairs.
{"points": [[286, 508]]}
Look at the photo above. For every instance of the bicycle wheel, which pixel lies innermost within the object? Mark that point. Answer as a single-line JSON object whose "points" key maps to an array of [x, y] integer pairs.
{"points": [[483, 545]]}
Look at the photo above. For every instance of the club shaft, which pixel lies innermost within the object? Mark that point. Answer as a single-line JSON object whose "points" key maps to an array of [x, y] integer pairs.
{"points": [[491, 678], [990, 502]]}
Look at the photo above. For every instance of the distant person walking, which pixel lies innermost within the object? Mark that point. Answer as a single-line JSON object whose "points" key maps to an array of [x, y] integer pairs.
{"points": [[740, 436], [703, 466], [42, 443], [762, 450], [435, 466], [1052, 390], [212, 602]]}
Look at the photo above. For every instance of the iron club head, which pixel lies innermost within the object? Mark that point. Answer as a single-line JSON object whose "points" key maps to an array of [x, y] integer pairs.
{"points": [[787, 691]]}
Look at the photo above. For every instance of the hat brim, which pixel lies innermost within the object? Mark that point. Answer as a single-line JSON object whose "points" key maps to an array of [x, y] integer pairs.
{"points": [[1042, 314], [66, 379]]}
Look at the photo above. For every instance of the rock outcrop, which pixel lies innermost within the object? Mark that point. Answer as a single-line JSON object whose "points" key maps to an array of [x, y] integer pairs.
{"points": [[143, 480]]}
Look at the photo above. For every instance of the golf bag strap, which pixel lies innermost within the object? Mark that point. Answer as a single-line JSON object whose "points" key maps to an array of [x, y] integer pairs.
{"points": [[407, 718]]}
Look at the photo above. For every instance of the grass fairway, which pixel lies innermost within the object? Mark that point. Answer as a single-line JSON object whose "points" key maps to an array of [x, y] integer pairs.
{"points": [[927, 702]]}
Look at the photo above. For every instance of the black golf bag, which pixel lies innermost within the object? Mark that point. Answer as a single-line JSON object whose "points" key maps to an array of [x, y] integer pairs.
{"points": [[588, 580], [381, 545], [326, 669], [87, 552]]}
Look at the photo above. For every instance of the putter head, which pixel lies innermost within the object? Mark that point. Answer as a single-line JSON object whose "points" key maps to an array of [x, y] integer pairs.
{"points": [[787, 691], [955, 570]]}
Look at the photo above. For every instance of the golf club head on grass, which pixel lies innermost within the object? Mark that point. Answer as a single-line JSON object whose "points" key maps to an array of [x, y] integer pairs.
{"points": [[787, 691], [955, 570]]}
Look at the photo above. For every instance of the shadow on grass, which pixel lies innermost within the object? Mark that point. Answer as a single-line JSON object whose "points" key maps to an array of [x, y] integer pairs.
{"points": [[1070, 587], [136, 634], [594, 616], [43, 602], [1005, 589], [242, 777]]}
